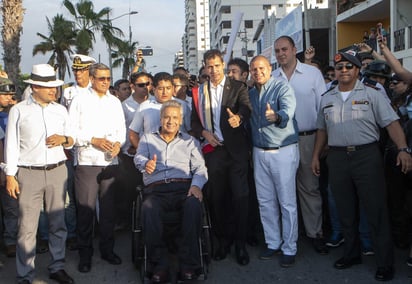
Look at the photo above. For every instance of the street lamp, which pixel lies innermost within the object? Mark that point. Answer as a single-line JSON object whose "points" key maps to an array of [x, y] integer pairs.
{"points": [[130, 36]]}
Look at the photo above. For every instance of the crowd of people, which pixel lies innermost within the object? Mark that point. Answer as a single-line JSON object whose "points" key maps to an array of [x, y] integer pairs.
{"points": [[287, 150]]}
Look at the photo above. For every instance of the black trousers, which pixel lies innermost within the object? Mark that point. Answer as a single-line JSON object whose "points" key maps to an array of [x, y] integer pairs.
{"points": [[359, 177], [92, 182], [128, 179], [227, 196], [158, 202]]}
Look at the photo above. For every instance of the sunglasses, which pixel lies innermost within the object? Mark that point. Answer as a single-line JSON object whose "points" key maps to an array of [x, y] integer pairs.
{"points": [[348, 66], [142, 85], [102, 79]]}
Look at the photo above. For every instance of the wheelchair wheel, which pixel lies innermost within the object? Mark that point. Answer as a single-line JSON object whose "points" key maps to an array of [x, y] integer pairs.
{"points": [[137, 237]]}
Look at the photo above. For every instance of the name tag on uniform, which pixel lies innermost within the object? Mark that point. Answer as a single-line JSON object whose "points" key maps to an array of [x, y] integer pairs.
{"points": [[362, 102]]}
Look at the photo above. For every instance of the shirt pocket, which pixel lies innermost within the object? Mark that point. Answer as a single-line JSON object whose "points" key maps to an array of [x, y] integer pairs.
{"points": [[359, 111], [330, 114]]}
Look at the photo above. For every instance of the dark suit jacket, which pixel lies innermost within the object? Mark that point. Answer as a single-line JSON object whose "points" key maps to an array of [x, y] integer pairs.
{"points": [[235, 97]]}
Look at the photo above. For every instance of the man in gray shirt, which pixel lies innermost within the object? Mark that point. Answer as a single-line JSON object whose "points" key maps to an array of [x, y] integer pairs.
{"points": [[349, 119], [174, 174]]}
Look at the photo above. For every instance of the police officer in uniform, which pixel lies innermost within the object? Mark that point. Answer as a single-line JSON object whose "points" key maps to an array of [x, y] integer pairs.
{"points": [[349, 119]]}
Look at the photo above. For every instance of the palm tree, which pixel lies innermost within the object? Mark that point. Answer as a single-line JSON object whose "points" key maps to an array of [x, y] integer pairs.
{"points": [[88, 22], [60, 40], [12, 11], [124, 55]]}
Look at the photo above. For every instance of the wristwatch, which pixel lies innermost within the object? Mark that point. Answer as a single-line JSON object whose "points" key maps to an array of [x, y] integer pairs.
{"points": [[407, 150], [66, 141]]}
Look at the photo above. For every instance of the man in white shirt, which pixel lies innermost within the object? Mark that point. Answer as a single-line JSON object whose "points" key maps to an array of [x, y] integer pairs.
{"points": [[308, 83], [80, 68], [38, 130], [98, 122]]}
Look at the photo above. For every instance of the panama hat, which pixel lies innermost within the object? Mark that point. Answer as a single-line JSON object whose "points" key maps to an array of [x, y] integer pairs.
{"points": [[44, 75]]}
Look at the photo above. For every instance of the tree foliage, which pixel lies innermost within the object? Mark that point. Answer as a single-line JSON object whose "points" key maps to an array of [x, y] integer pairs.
{"points": [[59, 42]]}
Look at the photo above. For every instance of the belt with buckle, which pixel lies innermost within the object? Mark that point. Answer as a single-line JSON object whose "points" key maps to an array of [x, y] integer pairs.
{"points": [[45, 167], [351, 148], [169, 180], [306, 133], [273, 148]]}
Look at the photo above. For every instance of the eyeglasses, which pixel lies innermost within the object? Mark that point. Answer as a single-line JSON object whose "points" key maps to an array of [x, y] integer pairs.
{"points": [[348, 66], [142, 85], [102, 79], [395, 82]]}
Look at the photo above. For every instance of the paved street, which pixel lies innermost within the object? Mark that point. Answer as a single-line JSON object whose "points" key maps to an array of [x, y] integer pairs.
{"points": [[310, 268]]}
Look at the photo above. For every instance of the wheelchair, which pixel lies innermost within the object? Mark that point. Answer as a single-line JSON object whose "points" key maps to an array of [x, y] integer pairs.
{"points": [[171, 228]]}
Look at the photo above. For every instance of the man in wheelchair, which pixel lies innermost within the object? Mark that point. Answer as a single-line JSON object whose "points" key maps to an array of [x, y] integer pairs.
{"points": [[174, 173]]}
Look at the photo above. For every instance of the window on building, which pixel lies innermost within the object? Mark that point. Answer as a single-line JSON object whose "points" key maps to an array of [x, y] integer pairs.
{"points": [[225, 9], [319, 1], [248, 24], [226, 24], [225, 39]]}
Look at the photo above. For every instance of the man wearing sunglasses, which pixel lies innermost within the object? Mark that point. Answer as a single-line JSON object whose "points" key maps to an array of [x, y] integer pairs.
{"points": [[349, 119], [98, 122]]}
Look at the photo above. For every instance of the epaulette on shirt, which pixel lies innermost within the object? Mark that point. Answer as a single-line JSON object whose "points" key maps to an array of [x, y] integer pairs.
{"points": [[332, 86], [367, 84]]}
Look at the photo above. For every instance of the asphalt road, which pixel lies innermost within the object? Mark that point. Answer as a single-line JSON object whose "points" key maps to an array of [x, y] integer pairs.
{"points": [[309, 268]]}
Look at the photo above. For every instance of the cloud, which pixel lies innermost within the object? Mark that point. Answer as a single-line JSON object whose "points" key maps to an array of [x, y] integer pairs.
{"points": [[159, 23]]}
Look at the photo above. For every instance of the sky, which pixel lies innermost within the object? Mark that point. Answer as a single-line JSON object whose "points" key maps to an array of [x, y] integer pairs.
{"points": [[159, 24]]}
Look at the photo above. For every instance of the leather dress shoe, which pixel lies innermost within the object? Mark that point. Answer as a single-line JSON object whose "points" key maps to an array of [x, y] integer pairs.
{"points": [[384, 273], [242, 256], [319, 244], [85, 266], [343, 263], [62, 277], [160, 276], [112, 258]]}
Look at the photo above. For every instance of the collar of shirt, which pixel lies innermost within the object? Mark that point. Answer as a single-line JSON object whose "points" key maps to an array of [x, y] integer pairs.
{"points": [[221, 84]]}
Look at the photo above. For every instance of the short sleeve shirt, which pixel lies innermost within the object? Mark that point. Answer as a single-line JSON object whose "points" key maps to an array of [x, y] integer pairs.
{"points": [[355, 121]]}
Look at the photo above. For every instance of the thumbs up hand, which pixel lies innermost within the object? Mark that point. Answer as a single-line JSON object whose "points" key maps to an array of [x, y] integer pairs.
{"points": [[234, 119], [151, 165], [270, 114]]}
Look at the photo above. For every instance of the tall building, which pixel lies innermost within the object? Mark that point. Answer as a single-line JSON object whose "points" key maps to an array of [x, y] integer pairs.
{"points": [[179, 60], [223, 18], [197, 35]]}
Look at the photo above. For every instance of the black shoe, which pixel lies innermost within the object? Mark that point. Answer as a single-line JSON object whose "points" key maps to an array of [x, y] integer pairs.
{"points": [[242, 256], [320, 245], [287, 260], [385, 273], [85, 265], [269, 253], [62, 277], [42, 246], [112, 258], [343, 263]]}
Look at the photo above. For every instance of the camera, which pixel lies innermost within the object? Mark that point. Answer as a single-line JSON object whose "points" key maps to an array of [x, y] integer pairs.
{"points": [[147, 51]]}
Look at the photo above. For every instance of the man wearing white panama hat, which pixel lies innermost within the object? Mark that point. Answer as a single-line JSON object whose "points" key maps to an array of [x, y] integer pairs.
{"points": [[38, 131]]}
